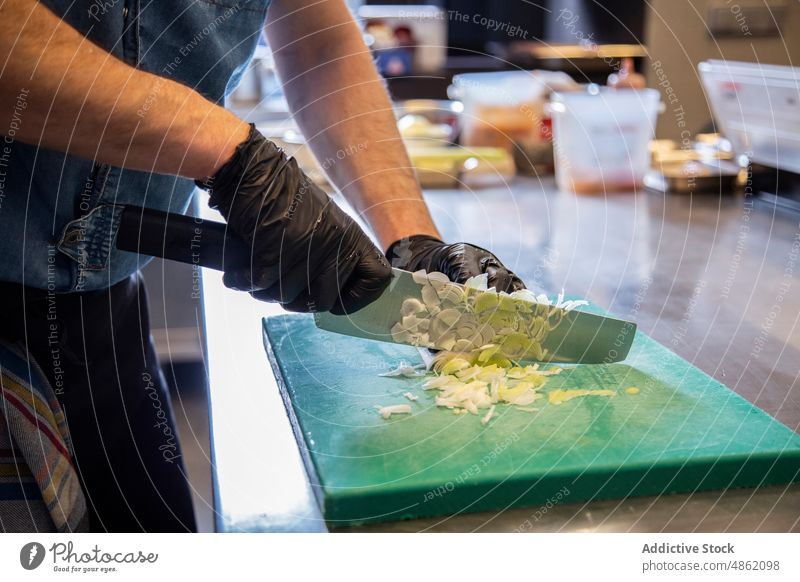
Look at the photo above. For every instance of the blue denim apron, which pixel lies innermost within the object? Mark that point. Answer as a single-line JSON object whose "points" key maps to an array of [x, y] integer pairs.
{"points": [[59, 213]]}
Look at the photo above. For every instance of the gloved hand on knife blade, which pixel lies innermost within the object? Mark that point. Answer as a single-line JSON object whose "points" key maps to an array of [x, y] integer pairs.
{"points": [[458, 261], [307, 253]]}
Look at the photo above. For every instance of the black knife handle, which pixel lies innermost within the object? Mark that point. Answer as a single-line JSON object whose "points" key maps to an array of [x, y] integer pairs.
{"points": [[180, 238]]}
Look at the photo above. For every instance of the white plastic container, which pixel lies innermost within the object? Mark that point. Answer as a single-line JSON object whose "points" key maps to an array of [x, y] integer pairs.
{"points": [[601, 136], [500, 108]]}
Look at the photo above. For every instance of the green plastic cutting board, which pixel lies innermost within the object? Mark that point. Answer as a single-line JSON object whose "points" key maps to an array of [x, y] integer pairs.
{"points": [[683, 432]]}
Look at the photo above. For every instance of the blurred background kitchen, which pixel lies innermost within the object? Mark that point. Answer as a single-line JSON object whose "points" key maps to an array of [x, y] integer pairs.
{"points": [[626, 134]]}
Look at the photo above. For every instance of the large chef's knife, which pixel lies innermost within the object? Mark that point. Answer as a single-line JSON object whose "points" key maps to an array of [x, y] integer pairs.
{"points": [[571, 336], [550, 333], [178, 237]]}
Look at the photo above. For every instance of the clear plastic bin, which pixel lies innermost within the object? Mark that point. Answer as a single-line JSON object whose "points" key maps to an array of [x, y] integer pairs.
{"points": [[601, 136], [500, 108]]}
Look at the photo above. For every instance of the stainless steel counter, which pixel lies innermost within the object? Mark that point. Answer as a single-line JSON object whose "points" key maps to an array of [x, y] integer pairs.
{"points": [[714, 279]]}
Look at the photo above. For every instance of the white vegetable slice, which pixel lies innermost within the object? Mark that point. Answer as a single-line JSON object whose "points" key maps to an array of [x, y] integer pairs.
{"points": [[429, 297], [485, 302], [487, 334], [527, 397], [524, 294], [479, 282], [448, 317], [412, 306], [558, 396], [467, 329], [491, 373], [456, 365], [420, 339], [494, 389], [463, 345], [437, 279], [440, 382], [400, 335], [444, 322], [420, 277], [447, 341], [570, 304], [450, 293], [469, 374], [482, 399], [439, 401], [485, 420], [405, 370], [388, 411], [410, 396], [411, 322], [517, 373]]}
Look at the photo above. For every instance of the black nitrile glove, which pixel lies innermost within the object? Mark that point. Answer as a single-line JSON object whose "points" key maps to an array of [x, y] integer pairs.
{"points": [[307, 253], [458, 261]]}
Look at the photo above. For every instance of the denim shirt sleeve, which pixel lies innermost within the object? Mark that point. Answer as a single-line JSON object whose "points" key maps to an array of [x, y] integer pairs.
{"points": [[59, 214]]}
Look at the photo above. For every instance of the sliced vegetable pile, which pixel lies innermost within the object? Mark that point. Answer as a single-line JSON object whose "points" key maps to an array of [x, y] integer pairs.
{"points": [[471, 381], [484, 335], [450, 317]]}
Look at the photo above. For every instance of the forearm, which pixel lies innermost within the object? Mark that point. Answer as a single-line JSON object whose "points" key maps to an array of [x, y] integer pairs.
{"points": [[82, 100], [341, 106]]}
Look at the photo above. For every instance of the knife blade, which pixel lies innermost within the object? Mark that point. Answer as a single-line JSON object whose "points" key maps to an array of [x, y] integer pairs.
{"points": [[550, 333], [448, 312]]}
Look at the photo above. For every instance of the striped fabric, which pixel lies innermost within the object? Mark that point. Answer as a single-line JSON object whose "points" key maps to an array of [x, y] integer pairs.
{"points": [[39, 488]]}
